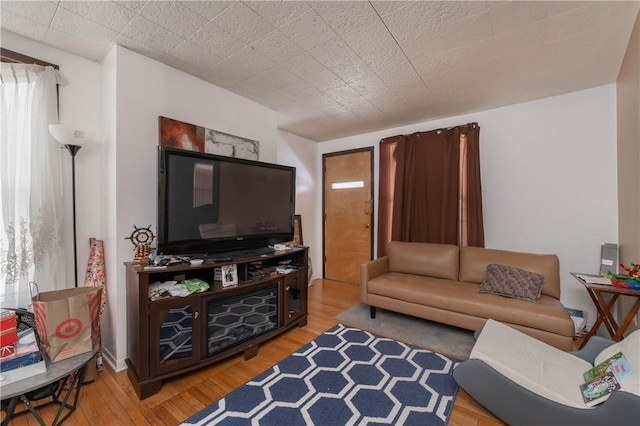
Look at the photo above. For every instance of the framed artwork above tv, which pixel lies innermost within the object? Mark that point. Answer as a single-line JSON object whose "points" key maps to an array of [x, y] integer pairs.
{"points": [[190, 137]]}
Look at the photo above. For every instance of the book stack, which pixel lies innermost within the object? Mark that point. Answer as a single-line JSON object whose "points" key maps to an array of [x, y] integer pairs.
{"points": [[285, 266], [8, 328], [21, 359], [254, 270], [262, 273], [604, 378], [257, 271], [579, 320]]}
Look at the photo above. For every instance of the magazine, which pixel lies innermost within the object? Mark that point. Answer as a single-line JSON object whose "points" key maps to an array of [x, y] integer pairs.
{"points": [[617, 364], [598, 389]]}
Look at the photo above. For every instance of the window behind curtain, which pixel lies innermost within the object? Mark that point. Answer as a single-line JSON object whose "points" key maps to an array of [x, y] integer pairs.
{"points": [[430, 188], [30, 181]]}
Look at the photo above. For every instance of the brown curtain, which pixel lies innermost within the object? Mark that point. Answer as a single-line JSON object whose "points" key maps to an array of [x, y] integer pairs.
{"points": [[430, 188], [474, 229], [386, 183]]}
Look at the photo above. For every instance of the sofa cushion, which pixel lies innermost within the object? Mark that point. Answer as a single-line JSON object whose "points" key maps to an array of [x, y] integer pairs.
{"points": [[431, 260], [510, 281], [474, 262], [548, 314]]}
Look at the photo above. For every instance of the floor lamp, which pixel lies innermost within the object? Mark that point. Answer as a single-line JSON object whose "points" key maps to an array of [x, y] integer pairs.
{"points": [[70, 139]]}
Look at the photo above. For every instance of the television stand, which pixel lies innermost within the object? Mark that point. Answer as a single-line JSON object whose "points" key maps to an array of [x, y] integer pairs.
{"points": [[175, 335]]}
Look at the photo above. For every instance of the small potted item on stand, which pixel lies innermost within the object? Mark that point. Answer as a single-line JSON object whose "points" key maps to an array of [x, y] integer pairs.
{"points": [[141, 239]]}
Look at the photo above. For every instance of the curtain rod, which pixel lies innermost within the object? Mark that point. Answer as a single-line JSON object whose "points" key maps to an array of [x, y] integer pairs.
{"points": [[472, 125]]}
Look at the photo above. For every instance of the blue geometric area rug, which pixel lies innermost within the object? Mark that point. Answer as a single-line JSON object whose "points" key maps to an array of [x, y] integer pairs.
{"points": [[346, 376]]}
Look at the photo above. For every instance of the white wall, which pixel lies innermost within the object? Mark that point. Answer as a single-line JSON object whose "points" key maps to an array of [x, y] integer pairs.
{"points": [[111, 240], [146, 89], [80, 107], [548, 171], [301, 153]]}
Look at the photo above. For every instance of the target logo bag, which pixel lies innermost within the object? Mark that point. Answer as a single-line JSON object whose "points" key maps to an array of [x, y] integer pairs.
{"points": [[67, 321]]}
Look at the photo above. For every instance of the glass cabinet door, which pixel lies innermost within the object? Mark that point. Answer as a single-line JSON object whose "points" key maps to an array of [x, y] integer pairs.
{"points": [[174, 323], [295, 296], [238, 318]]}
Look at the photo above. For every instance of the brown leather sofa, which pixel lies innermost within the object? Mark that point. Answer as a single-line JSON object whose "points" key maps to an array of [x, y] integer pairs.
{"points": [[440, 282]]}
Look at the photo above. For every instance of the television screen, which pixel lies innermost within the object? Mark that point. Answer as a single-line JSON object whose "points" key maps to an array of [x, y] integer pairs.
{"points": [[211, 204]]}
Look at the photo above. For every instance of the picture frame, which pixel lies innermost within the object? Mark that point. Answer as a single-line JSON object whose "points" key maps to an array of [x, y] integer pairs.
{"points": [[178, 134], [297, 230], [229, 275]]}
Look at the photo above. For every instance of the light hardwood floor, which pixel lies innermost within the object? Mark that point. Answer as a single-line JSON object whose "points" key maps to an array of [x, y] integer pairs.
{"points": [[110, 399]]}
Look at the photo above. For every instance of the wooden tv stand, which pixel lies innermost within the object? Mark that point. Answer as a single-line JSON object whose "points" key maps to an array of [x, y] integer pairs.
{"points": [[175, 335]]}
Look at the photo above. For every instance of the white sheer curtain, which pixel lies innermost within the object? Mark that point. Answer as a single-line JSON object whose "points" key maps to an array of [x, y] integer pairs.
{"points": [[31, 203]]}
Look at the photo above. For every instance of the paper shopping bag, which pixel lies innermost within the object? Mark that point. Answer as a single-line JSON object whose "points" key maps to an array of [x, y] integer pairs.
{"points": [[67, 321]]}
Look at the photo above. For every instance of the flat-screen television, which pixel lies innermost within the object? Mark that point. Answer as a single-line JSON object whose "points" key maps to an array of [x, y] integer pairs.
{"points": [[210, 204]]}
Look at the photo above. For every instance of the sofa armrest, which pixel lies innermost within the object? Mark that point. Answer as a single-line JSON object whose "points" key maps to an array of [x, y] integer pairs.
{"points": [[373, 269], [370, 270]]}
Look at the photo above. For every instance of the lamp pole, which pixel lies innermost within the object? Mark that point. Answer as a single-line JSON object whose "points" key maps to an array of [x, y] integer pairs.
{"points": [[73, 150]]}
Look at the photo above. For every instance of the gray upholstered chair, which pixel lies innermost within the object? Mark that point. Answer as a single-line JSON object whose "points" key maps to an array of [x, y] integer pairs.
{"points": [[524, 381]]}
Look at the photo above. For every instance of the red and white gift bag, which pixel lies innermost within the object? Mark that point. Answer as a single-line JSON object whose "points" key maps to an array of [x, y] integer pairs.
{"points": [[67, 321]]}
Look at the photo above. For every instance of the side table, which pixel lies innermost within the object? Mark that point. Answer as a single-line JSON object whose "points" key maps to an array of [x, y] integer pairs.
{"points": [[16, 392], [605, 316]]}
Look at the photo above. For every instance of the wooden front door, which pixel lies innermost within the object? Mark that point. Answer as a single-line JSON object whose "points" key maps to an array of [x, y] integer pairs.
{"points": [[348, 213]]}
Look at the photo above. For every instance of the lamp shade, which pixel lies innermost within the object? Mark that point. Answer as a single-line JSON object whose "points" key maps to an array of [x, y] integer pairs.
{"points": [[66, 135]]}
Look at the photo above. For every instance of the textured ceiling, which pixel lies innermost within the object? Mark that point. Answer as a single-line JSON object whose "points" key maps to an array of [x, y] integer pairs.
{"points": [[338, 68]]}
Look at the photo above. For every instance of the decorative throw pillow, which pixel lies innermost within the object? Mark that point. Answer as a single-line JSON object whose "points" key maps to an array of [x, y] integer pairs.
{"points": [[510, 281]]}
